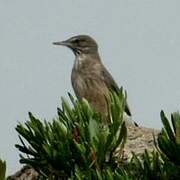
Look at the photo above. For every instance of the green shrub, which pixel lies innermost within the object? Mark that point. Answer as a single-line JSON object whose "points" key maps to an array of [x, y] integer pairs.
{"points": [[76, 144], [162, 164]]}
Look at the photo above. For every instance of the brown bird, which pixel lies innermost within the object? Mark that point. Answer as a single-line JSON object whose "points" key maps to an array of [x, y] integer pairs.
{"points": [[90, 79]]}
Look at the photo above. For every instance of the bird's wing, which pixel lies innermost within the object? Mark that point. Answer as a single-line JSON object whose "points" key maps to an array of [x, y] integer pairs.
{"points": [[111, 84], [109, 81]]}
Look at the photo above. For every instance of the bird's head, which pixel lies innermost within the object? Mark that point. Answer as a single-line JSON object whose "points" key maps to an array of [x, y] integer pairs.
{"points": [[81, 44]]}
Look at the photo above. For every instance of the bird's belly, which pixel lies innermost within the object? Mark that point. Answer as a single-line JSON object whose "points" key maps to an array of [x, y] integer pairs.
{"points": [[92, 89]]}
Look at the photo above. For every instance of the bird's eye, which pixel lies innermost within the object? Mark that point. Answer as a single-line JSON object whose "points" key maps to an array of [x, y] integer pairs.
{"points": [[76, 41]]}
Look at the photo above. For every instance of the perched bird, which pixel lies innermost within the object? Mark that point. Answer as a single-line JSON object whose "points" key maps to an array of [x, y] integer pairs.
{"points": [[90, 79]]}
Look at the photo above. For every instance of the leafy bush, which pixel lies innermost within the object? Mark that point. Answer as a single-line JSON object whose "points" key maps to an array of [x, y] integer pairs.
{"points": [[76, 144], [169, 138], [162, 164]]}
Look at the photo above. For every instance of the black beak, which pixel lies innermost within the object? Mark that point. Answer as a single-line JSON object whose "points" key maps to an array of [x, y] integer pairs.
{"points": [[63, 43]]}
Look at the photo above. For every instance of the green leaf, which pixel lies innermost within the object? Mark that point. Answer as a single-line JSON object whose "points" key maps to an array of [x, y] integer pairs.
{"points": [[2, 170], [167, 127], [175, 117]]}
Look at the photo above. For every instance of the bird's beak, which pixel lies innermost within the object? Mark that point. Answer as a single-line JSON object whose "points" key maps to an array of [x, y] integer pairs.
{"points": [[63, 43]]}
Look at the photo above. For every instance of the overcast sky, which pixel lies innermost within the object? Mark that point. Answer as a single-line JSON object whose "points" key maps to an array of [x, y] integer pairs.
{"points": [[139, 43]]}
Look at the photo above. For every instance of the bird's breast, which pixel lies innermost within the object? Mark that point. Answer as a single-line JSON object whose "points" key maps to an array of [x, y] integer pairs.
{"points": [[78, 83], [87, 83]]}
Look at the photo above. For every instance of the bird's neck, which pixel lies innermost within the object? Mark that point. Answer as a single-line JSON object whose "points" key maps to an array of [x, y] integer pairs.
{"points": [[83, 60], [80, 60]]}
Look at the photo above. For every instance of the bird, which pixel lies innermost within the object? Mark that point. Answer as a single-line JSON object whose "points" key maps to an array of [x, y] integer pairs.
{"points": [[89, 77]]}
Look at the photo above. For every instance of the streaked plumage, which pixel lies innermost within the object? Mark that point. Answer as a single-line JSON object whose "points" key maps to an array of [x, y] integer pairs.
{"points": [[90, 79]]}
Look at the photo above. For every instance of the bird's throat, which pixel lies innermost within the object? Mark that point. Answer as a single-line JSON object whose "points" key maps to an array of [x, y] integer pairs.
{"points": [[79, 61]]}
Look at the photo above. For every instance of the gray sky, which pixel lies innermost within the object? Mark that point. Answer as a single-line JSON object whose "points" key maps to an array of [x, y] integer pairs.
{"points": [[139, 43]]}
